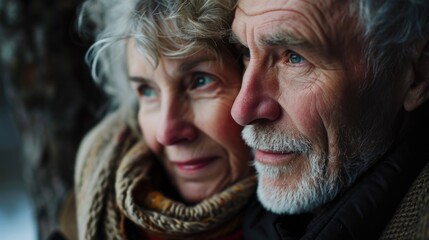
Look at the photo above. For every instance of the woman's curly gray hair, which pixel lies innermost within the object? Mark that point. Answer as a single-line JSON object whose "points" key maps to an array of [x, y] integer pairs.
{"points": [[170, 28]]}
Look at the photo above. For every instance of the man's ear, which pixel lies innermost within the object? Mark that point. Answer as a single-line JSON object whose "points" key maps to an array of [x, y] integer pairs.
{"points": [[418, 91]]}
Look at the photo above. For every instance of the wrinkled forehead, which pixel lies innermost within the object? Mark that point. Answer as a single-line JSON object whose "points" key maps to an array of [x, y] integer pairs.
{"points": [[256, 7], [252, 8], [254, 20], [315, 22]]}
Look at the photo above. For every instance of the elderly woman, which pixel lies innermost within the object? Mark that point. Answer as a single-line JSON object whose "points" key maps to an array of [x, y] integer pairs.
{"points": [[169, 162]]}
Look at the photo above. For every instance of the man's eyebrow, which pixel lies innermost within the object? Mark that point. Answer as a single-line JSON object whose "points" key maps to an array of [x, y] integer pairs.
{"points": [[286, 39], [279, 39]]}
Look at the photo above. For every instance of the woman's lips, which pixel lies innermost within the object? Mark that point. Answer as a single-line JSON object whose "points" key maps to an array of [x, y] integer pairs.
{"points": [[193, 165]]}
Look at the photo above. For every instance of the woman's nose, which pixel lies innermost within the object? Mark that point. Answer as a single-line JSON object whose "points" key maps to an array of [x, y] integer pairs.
{"points": [[256, 99], [175, 125]]}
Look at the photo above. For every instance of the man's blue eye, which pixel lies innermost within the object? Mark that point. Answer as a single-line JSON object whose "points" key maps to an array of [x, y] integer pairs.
{"points": [[295, 58], [202, 81]]}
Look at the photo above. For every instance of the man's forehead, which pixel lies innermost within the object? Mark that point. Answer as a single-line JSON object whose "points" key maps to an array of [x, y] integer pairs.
{"points": [[264, 16], [256, 7], [252, 7], [305, 17]]}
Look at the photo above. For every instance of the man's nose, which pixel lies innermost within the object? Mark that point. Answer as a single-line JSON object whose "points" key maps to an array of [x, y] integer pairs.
{"points": [[174, 126], [256, 99]]}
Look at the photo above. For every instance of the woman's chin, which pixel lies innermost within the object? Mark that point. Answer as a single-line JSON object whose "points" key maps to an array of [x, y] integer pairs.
{"points": [[194, 193]]}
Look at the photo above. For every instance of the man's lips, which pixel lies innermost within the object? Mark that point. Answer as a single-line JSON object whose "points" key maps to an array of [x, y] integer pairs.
{"points": [[193, 164], [273, 158]]}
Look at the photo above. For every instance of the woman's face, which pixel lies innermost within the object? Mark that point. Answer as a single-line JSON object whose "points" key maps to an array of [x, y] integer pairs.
{"points": [[185, 118]]}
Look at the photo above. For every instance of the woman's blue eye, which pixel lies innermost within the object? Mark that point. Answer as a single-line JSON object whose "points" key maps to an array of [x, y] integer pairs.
{"points": [[202, 81], [295, 58], [147, 91]]}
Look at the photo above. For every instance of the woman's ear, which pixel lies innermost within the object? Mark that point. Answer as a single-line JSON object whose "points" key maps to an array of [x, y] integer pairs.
{"points": [[418, 91]]}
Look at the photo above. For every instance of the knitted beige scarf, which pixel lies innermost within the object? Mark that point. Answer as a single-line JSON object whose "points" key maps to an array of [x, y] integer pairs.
{"points": [[117, 195]]}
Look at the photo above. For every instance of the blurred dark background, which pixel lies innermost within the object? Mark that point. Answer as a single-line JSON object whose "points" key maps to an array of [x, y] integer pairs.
{"points": [[47, 103], [17, 219]]}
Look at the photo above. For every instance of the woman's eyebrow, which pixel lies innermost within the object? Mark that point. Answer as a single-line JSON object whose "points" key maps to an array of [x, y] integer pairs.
{"points": [[189, 65], [137, 79], [182, 68]]}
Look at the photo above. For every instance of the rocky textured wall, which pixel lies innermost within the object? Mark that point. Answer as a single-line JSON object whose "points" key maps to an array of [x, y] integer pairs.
{"points": [[54, 101]]}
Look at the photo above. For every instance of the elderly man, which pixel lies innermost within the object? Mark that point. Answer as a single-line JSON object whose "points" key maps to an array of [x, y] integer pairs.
{"points": [[333, 101]]}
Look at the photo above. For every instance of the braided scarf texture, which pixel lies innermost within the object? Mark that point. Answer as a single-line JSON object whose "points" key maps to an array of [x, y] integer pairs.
{"points": [[114, 182]]}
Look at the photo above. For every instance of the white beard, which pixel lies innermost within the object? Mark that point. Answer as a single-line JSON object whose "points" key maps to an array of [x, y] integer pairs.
{"points": [[309, 192], [314, 186]]}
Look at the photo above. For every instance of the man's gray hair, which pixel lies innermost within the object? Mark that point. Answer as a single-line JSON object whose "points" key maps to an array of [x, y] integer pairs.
{"points": [[390, 30], [167, 28]]}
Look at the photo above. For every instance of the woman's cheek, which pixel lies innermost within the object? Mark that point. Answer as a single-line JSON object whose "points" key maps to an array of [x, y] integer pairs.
{"points": [[148, 126]]}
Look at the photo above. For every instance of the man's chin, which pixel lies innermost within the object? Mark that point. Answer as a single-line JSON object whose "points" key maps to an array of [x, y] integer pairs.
{"points": [[276, 197], [292, 197]]}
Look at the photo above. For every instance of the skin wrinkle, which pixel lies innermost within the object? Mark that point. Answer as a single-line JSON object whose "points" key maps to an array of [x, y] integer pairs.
{"points": [[255, 14], [324, 134]]}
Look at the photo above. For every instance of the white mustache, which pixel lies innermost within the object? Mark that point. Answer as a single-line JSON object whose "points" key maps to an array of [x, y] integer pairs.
{"points": [[274, 140]]}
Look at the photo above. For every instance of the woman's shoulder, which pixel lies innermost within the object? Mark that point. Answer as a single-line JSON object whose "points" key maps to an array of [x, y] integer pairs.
{"points": [[100, 140]]}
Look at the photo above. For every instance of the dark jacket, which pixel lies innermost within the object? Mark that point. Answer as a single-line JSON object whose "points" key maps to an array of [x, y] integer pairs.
{"points": [[390, 201]]}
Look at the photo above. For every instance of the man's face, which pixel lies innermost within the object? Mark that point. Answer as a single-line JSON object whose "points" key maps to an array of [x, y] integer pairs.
{"points": [[301, 101]]}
